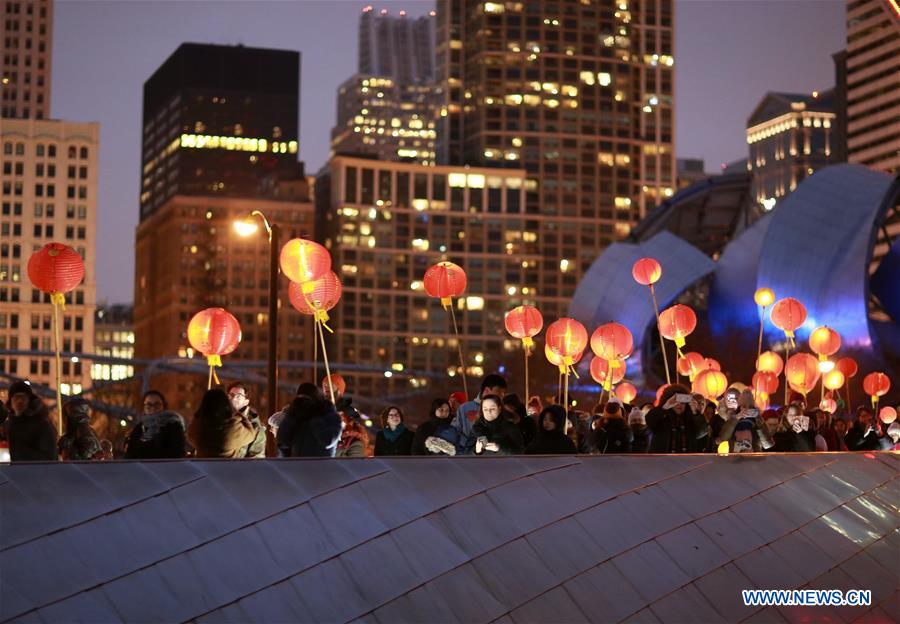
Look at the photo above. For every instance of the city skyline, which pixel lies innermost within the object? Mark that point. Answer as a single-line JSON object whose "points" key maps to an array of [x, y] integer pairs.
{"points": [[92, 84]]}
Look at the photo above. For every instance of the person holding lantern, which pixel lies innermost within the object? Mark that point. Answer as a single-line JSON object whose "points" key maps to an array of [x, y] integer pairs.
{"points": [[239, 397], [864, 435], [495, 435], [470, 411], [342, 401], [28, 429], [674, 425]]}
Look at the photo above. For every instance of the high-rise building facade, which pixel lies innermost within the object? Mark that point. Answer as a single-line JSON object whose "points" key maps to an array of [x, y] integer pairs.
{"points": [[789, 137], [400, 47], [26, 29], [114, 338], [386, 224], [873, 83], [49, 194], [580, 96], [220, 141]]}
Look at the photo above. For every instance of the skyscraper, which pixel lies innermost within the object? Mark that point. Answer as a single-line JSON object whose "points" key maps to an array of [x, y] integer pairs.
{"points": [[220, 141], [49, 194], [26, 29], [873, 83], [580, 96], [398, 47]]}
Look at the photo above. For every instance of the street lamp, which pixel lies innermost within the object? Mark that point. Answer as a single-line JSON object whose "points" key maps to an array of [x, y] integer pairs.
{"points": [[248, 227]]}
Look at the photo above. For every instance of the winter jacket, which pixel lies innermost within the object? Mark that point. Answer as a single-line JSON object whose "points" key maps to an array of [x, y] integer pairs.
{"points": [[79, 442], [157, 436], [310, 428], [613, 437], [526, 425], [31, 435], [792, 442], [552, 442], [663, 422], [257, 447], [640, 438], [220, 435], [761, 440], [856, 441], [437, 428], [400, 443], [464, 420], [502, 433], [832, 439]]}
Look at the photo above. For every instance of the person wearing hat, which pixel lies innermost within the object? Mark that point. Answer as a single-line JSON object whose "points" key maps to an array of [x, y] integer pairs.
{"points": [[455, 400], [613, 435], [310, 425], [637, 422], [79, 442], [29, 430], [342, 401]]}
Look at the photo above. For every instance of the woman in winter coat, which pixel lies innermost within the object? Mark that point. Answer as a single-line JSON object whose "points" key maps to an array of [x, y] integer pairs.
{"points": [[29, 431], [674, 425], [494, 435], [79, 442], [394, 438], [516, 413], [310, 425], [550, 439], [216, 430], [437, 435], [613, 435], [864, 435], [795, 433]]}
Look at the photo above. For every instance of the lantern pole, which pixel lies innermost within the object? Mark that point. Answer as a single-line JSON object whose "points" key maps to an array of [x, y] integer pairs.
{"points": [[662, 342], [566, 402], [787, 386], [527, 398], [462, 362], [325, 360], [315, 352], [762, 321], [272, 365], [54, 298]]}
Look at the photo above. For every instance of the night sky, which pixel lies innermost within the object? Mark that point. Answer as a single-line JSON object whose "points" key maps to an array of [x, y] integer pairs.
{"points": [[727, 55]]}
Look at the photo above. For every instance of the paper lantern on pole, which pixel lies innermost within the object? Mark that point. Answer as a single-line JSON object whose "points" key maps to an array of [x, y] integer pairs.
{"points": [[824, 342], [848, 366], [771, 362], [646, 271], [788, 315], [711, 384], [321, 295], [557, 360], [887, 414], [612, 342], [876, 385], [828, 404], [690, 364], [765, 381], [802, 372], [566, 337], [659, 393], [626, 392], [444, 281], [764, 297], [606, 376], [676, 323], [303, 261], [833, 380], [214, 332], [524, 322], [711, 364]]}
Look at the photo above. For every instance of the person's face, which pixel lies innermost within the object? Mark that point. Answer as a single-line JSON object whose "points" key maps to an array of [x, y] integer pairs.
{"points": [[792, 413], [548, 423], [454, 404], [679, 408], [238, 398], [821, 420], [326, 390], [393, 418], [152, 404], [490, 410], [771, 424], [19, 402], [865, 418], [731, 400], [443, 411], [498, 390], [840, 427]]}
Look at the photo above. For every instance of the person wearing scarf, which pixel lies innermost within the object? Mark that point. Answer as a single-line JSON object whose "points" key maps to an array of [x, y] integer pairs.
{"points": [[437, 435], [495, 435], [394, 438]]}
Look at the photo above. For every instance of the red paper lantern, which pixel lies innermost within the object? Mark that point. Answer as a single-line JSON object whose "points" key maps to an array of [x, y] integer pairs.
{"points": [[55, 268], [712, 364], [887, 415], [876, 385], [659, 393], [557, 360], [646, 271], [524, 322], [771, 362], [788, 314], [829, 405], [847, 365], [600, 372], [802, 372], [214, 332], [304, 260], [566, 337], [824, 342], [833, 379], [690, 364], [761, 399], [445, 280], [324, 293], [676, 323], [765, 381], [612, 341], [711, 384], [626, 392]]}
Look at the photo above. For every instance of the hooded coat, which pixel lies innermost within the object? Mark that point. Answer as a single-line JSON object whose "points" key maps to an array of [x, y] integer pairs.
{"points": [[614, 436], [435, 427], [217, 431], [310, 428], [666, 426], [79, 442], [31, 434], [501, 432], [157, 436], [552, 442]]}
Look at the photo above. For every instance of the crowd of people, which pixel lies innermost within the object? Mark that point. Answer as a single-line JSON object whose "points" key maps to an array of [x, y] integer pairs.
{"points": [[321, 421]]}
